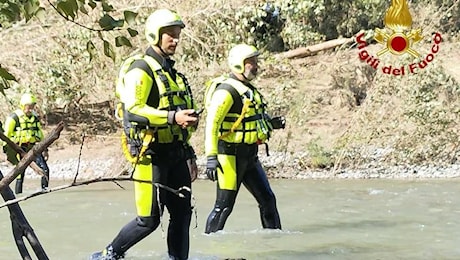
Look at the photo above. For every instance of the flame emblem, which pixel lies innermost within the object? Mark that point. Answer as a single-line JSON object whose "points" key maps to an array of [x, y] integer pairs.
{"points": [[401, 37]]}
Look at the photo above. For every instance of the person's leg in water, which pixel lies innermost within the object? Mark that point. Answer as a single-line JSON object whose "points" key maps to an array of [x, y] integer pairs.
{"points": [[228, 184], [19, 182], [148, 211], [222, 208], [41, 162], [13, 157], [180, 210], [255, 180]]}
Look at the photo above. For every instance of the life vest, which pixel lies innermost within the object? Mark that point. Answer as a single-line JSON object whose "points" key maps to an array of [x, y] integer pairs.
{"points": [[27, 129], [246, 121], [171, 95]]}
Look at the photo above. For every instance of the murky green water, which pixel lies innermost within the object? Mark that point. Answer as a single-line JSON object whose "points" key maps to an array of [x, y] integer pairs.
{"points": [[342, 219]]}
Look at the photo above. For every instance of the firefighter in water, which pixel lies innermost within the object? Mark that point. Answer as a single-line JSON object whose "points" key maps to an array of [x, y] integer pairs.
{"points": [[23, 127], [159, 116], [236, 124]]}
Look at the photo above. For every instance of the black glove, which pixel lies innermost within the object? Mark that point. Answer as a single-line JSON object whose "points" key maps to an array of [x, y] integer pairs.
{"points": [[211, 167], [278, 122]]}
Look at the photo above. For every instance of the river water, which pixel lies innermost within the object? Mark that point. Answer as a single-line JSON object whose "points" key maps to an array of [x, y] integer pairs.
{"points": [[322, 219]]}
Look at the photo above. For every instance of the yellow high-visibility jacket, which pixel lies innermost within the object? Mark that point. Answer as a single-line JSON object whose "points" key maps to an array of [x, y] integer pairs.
{"points": [[23, 129], [151, 96], [224, 107]]}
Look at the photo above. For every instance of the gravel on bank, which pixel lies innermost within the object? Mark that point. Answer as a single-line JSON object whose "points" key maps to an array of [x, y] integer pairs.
{"points": [[277, 165]]}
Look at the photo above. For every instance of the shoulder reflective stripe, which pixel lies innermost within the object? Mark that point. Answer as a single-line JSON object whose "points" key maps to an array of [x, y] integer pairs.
{"points": [[211, 86], [150, 66]]}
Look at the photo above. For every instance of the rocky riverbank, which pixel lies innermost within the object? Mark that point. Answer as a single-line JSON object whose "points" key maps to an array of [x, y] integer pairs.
{"points": [[277, 165]]}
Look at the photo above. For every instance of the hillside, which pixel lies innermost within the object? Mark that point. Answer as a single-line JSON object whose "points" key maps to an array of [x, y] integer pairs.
{"points": [[334, 103]]}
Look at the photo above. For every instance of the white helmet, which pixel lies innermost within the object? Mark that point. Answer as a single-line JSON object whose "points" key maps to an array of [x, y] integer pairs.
{"points": [[159, 19], [238, 54], [27, 99]]}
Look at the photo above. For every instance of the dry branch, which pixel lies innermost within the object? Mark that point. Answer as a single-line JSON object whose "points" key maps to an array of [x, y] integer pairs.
{"points": [[106, 179], [313, 49], [30, 156]]}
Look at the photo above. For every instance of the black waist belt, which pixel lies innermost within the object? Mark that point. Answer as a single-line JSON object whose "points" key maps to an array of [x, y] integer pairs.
{"points": [[246, 119], [236, 148], [176, 150], [166, 146]]}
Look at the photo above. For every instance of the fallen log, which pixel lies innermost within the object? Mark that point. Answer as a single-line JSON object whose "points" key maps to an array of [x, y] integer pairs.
{"points": [[313, 49]]}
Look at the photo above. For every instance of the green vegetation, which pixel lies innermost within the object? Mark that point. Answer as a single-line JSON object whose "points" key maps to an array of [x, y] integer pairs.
{"points": [[70, 59]]}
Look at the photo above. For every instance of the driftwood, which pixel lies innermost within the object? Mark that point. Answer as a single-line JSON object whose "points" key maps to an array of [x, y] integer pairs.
{"points": [[20, 225], [313, 49], [100, 179]]}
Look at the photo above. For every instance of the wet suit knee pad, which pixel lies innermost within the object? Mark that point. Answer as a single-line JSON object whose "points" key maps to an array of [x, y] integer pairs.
{"points": [[149, 222]]}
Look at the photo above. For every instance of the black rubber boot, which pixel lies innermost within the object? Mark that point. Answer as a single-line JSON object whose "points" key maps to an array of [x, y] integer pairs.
{"points": [[44, 182], [18, 188]]}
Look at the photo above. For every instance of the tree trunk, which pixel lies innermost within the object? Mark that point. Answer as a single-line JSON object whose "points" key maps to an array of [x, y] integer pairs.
{"points": [[314, 49]]}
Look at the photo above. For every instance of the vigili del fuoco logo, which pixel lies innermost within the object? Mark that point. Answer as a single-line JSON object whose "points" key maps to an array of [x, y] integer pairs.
{"points": [[398, 38]]}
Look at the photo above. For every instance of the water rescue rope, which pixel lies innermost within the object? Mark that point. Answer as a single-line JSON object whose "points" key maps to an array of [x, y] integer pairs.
{"points": [[238, 121], [148, 138]]}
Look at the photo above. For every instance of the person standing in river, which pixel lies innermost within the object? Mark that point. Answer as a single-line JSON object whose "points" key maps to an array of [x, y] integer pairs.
{"points": [[23, 127], [236, 124], [159, 109]]}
